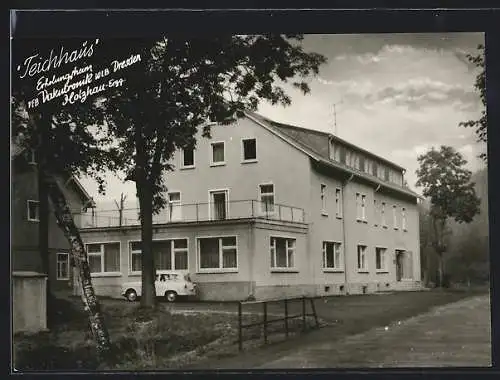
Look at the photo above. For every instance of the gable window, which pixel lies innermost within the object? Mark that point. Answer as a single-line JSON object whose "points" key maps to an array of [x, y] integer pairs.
{"points": [[249, 150], [282, 252], [380, 259], [332, 255], [218, 253], [218, 154], [62, 269], [266, 194], [323, 199], [374, 168], [187, 157], [33, 211], [338, 203], [104, 257], [394, 217], [362, 267], [382, 215], [403, 219], [168, 254]]}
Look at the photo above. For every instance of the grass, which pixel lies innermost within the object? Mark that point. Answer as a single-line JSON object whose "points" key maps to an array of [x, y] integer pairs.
{"points": [[190, 335], [141, 339]]}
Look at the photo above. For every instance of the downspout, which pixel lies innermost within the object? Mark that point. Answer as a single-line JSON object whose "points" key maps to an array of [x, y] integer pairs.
{"points": [[344, 184]]}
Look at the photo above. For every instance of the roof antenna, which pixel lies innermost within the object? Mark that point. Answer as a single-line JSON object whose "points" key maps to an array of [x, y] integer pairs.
{"points": [[335, 115]]}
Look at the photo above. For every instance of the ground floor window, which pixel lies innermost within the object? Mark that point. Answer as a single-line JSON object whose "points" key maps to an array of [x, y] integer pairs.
{"points": [[332, 255], [380, 259], [104, 257], [169, 254], [62, 270], [282, 252], [219, 253], [362, 267]]}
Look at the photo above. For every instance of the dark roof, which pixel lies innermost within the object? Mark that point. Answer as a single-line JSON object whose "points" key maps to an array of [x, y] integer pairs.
{"points": [[316, 145], [16, 150], [318, 141]]}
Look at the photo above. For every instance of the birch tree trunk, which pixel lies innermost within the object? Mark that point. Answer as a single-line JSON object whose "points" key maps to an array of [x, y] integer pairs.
{"points": [[90, 302]]}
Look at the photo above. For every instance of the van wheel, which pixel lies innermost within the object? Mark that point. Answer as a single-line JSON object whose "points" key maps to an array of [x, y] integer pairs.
{"points": [[131, 295], [171, 296]]}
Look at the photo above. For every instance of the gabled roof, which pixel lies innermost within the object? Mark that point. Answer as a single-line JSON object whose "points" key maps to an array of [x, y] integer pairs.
{"points": [[316, 145], [17, 150]]}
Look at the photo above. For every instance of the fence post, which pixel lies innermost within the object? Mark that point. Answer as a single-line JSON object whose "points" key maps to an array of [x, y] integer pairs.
{"points": [[304, 313], [314, 312], [240, 336], [265, 322], [286, 317]]}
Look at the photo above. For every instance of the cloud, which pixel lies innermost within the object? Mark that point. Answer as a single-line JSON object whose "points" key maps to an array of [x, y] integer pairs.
{"points": [[414, 94]]}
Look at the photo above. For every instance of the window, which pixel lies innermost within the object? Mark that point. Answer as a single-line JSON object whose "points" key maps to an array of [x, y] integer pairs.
{"points": [[282, 252], [219, 204], [218, 153], [332, 255], [382, 215], [266, 197], [363, 207], [386, 174], [323, 199], [168, 255], [362, 163], [374, 168], [33, 211], [338, 203], [403, 219], [375, 212], [104, 257], [362, 258], [219, 253], [380, 259], [62, 270], [249, 150], [394, 217], [187, 157], [174, 206], [358, 206], [342, 154]]}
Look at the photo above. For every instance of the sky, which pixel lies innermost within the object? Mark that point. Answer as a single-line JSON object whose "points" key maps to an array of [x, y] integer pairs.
{"points": [[396, 95]]}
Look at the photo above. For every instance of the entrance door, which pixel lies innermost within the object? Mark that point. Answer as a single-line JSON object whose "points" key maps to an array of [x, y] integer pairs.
{"points": [[218, 205], [399, 264]]}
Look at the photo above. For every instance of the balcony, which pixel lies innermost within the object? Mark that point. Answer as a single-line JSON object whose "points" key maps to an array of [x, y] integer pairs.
{"points": [[196, 212]]}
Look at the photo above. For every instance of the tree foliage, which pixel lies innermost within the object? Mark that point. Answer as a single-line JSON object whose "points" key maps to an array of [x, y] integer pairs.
{"points": [[481, 124], [447, 184], [183, 83]]}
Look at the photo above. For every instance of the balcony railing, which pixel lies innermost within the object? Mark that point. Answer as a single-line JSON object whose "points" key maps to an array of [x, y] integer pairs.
{"points": [[196, 212]]}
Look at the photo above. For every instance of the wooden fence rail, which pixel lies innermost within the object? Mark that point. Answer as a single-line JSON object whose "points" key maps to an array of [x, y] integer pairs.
{"points": [[265, 321]]}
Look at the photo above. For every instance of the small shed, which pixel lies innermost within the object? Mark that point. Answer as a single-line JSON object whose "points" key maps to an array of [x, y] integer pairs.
{"points": [[29, 302]]}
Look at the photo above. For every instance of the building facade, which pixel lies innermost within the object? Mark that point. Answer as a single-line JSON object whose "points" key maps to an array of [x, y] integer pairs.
{"points": [[268, 210], [25, 250]]}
